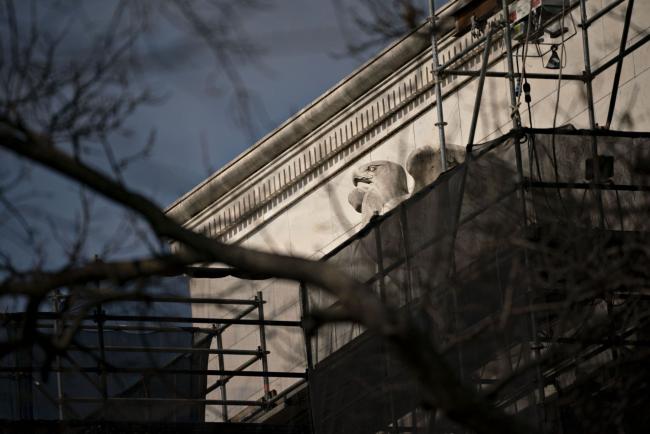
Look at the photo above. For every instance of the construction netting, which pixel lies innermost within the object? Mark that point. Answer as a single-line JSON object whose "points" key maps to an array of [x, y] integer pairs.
{"points": [[484, 255]]}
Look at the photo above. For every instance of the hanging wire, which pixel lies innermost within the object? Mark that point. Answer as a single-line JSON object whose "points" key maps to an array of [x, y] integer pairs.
{"points": [[525, 55], [524, 89], [555, 111]]}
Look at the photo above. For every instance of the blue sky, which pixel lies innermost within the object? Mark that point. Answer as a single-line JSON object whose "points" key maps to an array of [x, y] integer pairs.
{"points": [[302, 46], [303, 43]]}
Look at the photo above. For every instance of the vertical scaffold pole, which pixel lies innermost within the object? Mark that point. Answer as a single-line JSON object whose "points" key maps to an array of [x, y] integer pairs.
{"points": [[222, 367], [406, 251], [479, 90], [516, 122], [592, 114], [514, 110], [99, 319], [507, 38], [304, 305], [587, 59], [265, 362], [436, 78], [380, 264], [619, 64], [59, 380]]}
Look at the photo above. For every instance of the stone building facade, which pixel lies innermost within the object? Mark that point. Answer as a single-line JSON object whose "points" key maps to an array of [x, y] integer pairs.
{"points": [[296, 191]]}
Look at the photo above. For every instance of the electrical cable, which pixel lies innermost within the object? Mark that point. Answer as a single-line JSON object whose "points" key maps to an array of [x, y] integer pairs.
{"points": [[522, 82], [556, 109], [524, 56]]}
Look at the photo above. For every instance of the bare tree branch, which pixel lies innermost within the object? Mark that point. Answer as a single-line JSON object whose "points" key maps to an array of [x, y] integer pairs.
{"points": [[442, 388]]}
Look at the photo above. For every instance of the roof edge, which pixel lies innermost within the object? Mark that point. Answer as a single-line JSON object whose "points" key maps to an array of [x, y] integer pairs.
{"points": [[305, 121]]}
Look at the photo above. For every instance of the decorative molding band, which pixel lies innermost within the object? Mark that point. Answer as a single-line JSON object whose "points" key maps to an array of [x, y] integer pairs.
{"points": [[321, 154]]}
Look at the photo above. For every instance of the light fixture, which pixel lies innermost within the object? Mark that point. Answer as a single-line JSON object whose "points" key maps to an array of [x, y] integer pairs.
{"points": [[554, 61]]}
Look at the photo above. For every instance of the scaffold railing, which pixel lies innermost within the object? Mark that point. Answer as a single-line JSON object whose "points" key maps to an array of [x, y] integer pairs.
{"points": [[176, 364]]}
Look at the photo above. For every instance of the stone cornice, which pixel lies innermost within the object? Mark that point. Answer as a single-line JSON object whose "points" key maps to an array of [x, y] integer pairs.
{"points": [[329, 148], [299, 126], [320, 111]]}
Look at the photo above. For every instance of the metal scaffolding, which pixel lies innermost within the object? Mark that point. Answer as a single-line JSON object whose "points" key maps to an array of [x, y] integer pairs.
{"points": [[210, 342], [399, 262], [417, 258], [387, 253]]}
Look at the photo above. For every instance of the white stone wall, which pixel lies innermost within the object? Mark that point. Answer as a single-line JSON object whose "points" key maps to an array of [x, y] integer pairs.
{"points": [[318, 217]]}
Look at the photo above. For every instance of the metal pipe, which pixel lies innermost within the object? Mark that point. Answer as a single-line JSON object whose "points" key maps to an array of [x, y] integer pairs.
{"points": [[153, 370], [601, 12], [224, 392], [239, 317], [381, 272], [138, 328], [59, 381], [619, 64], [529, 75], [436, 78], [590, 106], [610, 342], [265, 362], [452, 252], [587, 186], [431, 241], [404, 228], [59, 402], [304, 307], [516, 121], [638, 44], [192, 300], [138, 349], [514, 110], [99, 314], [597, 133], [171, 400], [225, 379], [85, 375], [476, 43], [160, 318], [281, 396], [587, 66], [479, 91], [564, 367]]}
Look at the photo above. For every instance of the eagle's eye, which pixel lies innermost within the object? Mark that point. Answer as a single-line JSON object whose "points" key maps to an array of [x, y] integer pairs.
{"points": [[372, 168]]}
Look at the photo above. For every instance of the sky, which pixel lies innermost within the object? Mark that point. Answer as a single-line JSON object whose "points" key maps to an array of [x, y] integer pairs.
{"points": [[303, 56], [303, 44], [300, 52]]}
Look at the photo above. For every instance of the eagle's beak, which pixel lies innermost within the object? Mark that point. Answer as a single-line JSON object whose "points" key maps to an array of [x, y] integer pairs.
{"points": [[358, 178]]}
